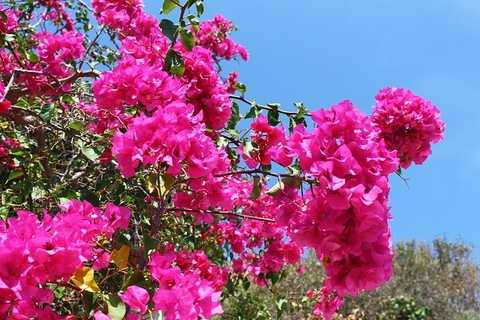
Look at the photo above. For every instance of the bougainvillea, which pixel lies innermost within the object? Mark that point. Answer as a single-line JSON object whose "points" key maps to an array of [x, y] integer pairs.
{"points": [[203, 190], [408, 124], [36, 252]]}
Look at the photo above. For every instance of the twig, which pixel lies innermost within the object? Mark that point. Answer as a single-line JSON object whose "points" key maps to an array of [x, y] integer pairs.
{"points": [[249, 102], [405, 180], [85, 5], [183, 9], [9, 85], [265, 173], [90, 46], [229, 213]]}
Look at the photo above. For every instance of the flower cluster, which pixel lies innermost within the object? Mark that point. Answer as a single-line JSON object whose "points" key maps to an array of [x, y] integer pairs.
{"points": [[129, 85], [206, 90], [56, 13], [327, 302], [36, 252], [408, 124], [171, 136], [270, 145], [259, 248], [116, 14], [213, 35], [56, 50], [8, 20], [7, 62], [346, 215], [189, 286], [127, 17], [139, 79]]}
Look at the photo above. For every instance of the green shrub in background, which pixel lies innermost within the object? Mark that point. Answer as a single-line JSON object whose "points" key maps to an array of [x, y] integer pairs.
{"points": [[431, 282]]}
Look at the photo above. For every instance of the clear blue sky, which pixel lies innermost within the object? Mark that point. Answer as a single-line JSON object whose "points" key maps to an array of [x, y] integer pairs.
{"points": [[321, 52]]}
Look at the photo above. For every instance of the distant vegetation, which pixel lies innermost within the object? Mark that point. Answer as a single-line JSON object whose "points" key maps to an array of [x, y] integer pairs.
{"points": [[431, 282]]}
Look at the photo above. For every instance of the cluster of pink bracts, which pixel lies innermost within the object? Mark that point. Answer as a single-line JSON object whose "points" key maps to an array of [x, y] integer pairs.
{"points": [[343, 217]]}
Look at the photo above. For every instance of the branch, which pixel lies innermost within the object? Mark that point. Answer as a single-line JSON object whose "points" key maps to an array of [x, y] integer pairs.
{"points": [[265, 173], [249, 102], [81, 74], [90, 46], [9, 85], [183, 9], [228, 213], [16, 93], [52, 126]]}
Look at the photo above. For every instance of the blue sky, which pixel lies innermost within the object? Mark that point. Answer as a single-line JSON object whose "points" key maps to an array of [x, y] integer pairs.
{"points": [[322, 52]]}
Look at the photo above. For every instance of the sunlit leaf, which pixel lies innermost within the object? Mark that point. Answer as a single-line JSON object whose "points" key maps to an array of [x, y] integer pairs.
{"points": [[116, 308], [84, 279], [168, 5], [120, 257]]}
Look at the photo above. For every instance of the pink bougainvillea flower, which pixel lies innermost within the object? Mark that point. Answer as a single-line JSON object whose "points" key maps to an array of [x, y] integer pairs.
{"points": [[99, 315], [136, 297], [408, 123]]}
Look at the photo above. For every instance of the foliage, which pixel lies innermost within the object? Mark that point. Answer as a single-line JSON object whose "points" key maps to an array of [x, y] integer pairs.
{"points": [[441, 277], [404, 308], [438, 281]]}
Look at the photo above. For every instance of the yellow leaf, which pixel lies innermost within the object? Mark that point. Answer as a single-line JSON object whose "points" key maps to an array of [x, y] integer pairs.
{"points": [[85, 280], [120, 257], [159, 183]]}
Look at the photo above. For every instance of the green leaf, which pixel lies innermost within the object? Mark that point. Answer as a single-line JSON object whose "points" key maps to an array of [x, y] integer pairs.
{"points": [[69, 99], [168, 28], [248, 148], [174, 63], [234, 133], [32, 56], [38, 193], [273, 115], [301, 112], [291, 125], [188, 39], [168, 6], [257, 188], [194, 22], [9, 37], [295, 168], [90, 153], [235, 118], [200, 7], [242, 88], [281, 304], [14, 174], [76, 125], [253, 112], [116, 308]]}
